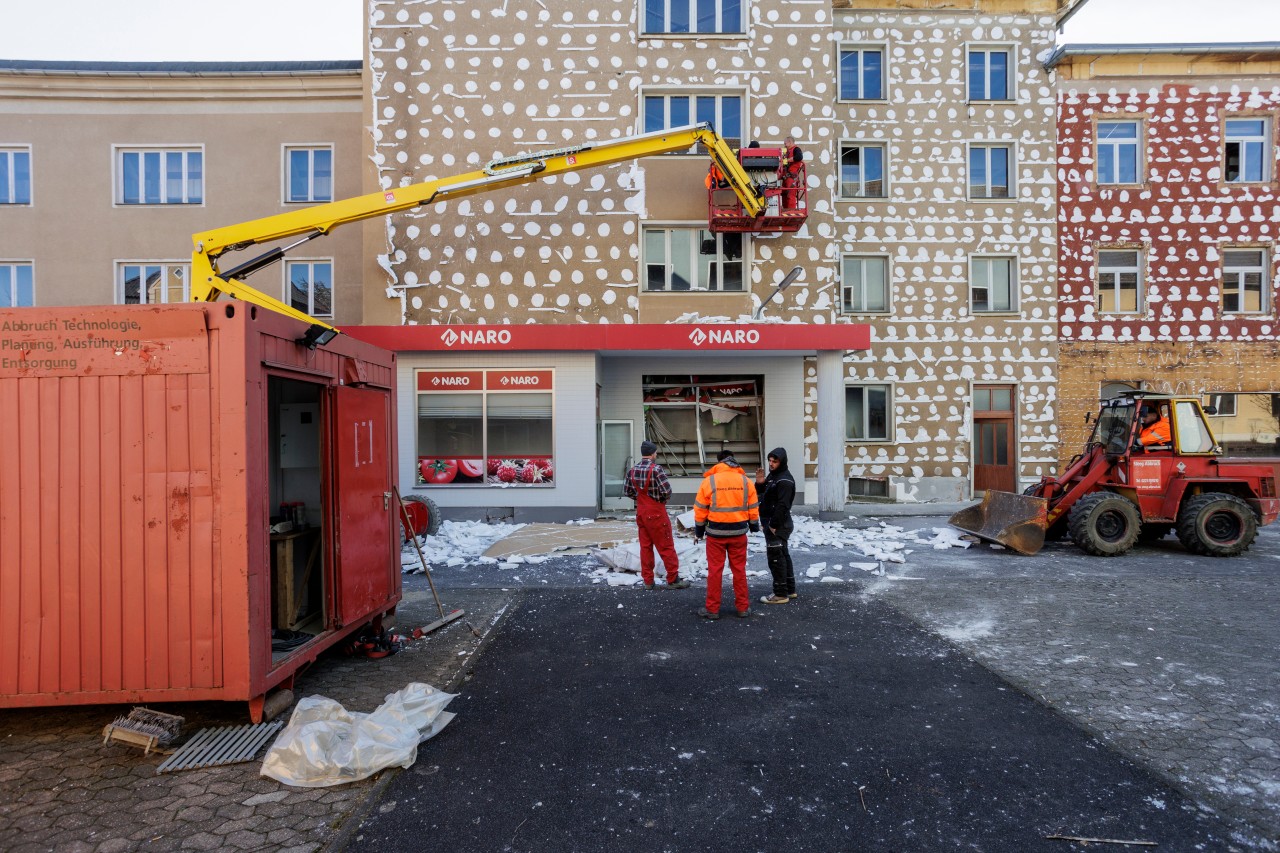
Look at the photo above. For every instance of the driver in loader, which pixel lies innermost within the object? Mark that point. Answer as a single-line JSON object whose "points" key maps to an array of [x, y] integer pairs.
{"points": [[1155, 430]]}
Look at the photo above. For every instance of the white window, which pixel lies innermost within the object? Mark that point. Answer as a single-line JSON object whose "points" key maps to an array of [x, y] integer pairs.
{"points": [[309, 287], [159, 176], [724, 112], [990, 171], [16, 285], [152, 283], [1244, 281], [861, 74], [693, 16], [1118, 152], [1247, 150], [682, 259], [308, 174], [865, 284], [990, 74], [866, 412], [1120, 282], [993, 285], [15, 176], [1224, 405], [862, 169]]}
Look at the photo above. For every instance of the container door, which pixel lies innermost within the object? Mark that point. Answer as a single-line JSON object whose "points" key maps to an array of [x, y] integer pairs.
{"points": [[366, 564]]}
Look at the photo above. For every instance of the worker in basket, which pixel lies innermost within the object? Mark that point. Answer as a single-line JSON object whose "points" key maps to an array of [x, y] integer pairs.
{"points": [[1155, 434], [715, 178]]}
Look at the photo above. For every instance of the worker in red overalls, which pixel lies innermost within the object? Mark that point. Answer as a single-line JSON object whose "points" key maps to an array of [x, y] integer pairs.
{"points": [[789, 171], [647, 483]]}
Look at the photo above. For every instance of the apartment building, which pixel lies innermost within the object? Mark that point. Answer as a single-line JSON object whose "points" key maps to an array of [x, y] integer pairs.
{"points": [[929, 143], [107, 169], [1169, 218]]}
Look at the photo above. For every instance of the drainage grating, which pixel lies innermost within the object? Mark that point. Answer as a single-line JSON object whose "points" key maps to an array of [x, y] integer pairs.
{"points": [[225, 745]]}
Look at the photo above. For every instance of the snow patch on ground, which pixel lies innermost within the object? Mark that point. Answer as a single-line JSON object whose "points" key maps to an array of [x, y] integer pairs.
{"points": [[964, 632], [460, 543]]}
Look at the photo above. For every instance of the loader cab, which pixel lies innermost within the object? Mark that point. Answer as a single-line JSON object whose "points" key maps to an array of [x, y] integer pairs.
{"points": [[1119, 424]]}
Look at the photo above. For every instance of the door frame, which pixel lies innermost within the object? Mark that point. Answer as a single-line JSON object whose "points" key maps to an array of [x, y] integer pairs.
{"points": [[607, 503], [1014, 461]]}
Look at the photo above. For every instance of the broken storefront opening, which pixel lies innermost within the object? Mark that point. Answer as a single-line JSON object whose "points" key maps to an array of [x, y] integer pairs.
{"points": [[692, 418]]}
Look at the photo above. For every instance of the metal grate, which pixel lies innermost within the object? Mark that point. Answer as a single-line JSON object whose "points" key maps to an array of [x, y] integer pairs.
{"points": [[225, 745]]}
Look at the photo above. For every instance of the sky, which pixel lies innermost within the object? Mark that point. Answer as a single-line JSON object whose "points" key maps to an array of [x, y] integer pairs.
{"points": [[263, 30]]}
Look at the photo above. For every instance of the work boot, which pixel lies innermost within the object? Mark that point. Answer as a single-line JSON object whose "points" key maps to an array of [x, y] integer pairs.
{"points": [[706, 614], [678, 583], [649, 586], [743, 614], [774, 599], [793, 595]]}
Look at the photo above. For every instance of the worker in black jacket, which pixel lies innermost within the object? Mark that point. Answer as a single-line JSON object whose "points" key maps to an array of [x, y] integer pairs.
{"points": [[777, 492]]}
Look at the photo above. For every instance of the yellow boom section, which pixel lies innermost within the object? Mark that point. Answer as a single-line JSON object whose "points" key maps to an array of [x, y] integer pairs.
{"points": [[208, 281]]}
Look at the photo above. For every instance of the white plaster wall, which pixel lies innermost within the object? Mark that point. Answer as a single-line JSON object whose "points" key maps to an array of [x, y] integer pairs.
{"points": [[575, 429]]}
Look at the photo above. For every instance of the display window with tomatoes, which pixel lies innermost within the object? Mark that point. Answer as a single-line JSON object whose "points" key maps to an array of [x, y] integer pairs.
{"points": [[495, 470]]}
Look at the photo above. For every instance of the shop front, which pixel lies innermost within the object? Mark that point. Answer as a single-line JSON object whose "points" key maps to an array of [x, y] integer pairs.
{"points": [[539, 423]]}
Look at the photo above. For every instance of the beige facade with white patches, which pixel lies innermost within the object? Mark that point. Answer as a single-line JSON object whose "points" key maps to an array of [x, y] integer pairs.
{"points": [[452, 85]]}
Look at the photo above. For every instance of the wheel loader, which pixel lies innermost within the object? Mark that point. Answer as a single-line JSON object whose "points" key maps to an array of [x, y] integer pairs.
{"points": [[1118, 491]]}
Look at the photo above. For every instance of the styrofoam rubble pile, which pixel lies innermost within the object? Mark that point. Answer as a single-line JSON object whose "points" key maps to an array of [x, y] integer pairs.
{"points": [[457, 543]]}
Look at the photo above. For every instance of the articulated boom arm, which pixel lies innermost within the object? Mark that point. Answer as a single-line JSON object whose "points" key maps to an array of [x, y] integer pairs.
{"points": [[208, 281]]}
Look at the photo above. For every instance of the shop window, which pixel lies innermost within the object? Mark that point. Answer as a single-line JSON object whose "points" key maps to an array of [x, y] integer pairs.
{"points": [[310, 287], [723, 112], [861, 74], [865, 284], [1247, 151], [989, 172], [1119, 282], [989, 74], [160, 176], [1244, 281], [1118, 152], [485, 427], [1246, 424], [683, 259], [662, 17], [16, 288], [866, 410], [152, 283], [862, 171], [692, 418], [15, 176], [993, 285]]}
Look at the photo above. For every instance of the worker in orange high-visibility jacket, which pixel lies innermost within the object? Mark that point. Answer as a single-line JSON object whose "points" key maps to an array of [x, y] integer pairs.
{"points": [[724, 510], [1155, 429]]}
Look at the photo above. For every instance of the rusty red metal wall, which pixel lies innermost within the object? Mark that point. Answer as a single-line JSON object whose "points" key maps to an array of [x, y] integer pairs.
{"points": [[134, 562]]}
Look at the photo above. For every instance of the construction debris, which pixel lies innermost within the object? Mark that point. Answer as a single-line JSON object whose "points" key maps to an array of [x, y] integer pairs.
{"points": [[218, 746], [151, 730]]}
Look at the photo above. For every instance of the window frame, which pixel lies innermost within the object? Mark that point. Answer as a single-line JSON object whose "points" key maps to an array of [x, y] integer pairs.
{"points": [[286, 173], [1011, 169], [1268, 153], [696, 256], [1263, 269], [1139, 160], [1140, 269], [862, 47], [744, 18], [1011, 72], [1015, 279], [118, 152], [14, 264], [888, 283], [121, 265], [889, 389], [11, 149], [693, 93], [287, 292], [844, 144]]}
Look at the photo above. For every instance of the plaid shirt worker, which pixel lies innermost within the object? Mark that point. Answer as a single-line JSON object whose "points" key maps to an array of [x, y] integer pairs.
{"points": [[648, 471]]}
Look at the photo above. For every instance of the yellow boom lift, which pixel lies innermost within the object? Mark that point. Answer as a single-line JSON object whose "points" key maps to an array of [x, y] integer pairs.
{"points": [[209, 279]]}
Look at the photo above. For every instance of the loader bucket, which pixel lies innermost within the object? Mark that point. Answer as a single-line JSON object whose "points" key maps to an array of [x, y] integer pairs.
{"points": [[1014, 521]]}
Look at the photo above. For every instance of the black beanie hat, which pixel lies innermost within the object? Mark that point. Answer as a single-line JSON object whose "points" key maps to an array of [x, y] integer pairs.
{"points": [[648, 448]]}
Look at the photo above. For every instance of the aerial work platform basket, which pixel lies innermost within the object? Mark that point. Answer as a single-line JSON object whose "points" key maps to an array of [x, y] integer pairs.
{"points": [[783, 187]]}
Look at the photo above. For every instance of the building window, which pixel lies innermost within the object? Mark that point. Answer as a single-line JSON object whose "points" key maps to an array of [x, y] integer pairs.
{"points": [[1118, 152], [868, 487], [152, 283], [692, 259], [989, 74], [1244, 281], [15, 176], [993, 285], [158, 176], [1247, 151], [723, 112], [989, 171], [866, 412], [309, 174], [1224, 405], [861, 74], [310, 287], [696, 16], [865, 287], [1119, 282], [16, 290], [862, 171], [474, 430]]}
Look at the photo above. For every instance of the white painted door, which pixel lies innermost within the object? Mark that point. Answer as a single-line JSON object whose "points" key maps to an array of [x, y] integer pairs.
{"points": [[615, 460]]}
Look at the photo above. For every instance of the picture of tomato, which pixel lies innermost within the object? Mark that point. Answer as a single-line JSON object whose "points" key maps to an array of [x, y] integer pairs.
{"points": [[471, 467], [438, 471]]}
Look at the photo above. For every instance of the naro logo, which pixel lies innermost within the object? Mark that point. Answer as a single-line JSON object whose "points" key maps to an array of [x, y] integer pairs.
{"points": [[476, 337], [450, 337], [725, 337], [698, 337]]}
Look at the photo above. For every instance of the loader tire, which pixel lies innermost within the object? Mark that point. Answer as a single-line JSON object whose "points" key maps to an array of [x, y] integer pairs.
{"points": [[1104, 524], [1216, 525]]}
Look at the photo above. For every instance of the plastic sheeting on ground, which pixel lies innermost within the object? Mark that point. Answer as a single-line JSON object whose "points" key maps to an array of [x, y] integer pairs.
{"points": [[325, 744]]}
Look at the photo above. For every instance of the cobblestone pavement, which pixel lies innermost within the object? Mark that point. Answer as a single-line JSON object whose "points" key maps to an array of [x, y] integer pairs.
{"points": [[62, 789], [1170, 658]]}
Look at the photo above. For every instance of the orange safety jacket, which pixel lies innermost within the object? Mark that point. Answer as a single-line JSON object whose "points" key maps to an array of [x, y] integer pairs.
{"points": [[1157, 433], [726, 504]]}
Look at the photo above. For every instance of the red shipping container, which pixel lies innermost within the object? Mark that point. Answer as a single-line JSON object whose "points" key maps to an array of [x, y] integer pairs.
{"points": [[145, 451]]}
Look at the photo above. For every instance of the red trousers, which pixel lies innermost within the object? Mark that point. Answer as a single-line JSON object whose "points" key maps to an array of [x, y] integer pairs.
{"points": [[655, 533], [735, 548]]}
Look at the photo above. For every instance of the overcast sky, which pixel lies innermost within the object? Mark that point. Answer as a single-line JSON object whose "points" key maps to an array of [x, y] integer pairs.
{"points": [[152, 30]]}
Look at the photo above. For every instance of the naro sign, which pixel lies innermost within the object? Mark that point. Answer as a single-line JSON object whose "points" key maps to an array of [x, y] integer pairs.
{"points": [[724, 337], [476, 337]]}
